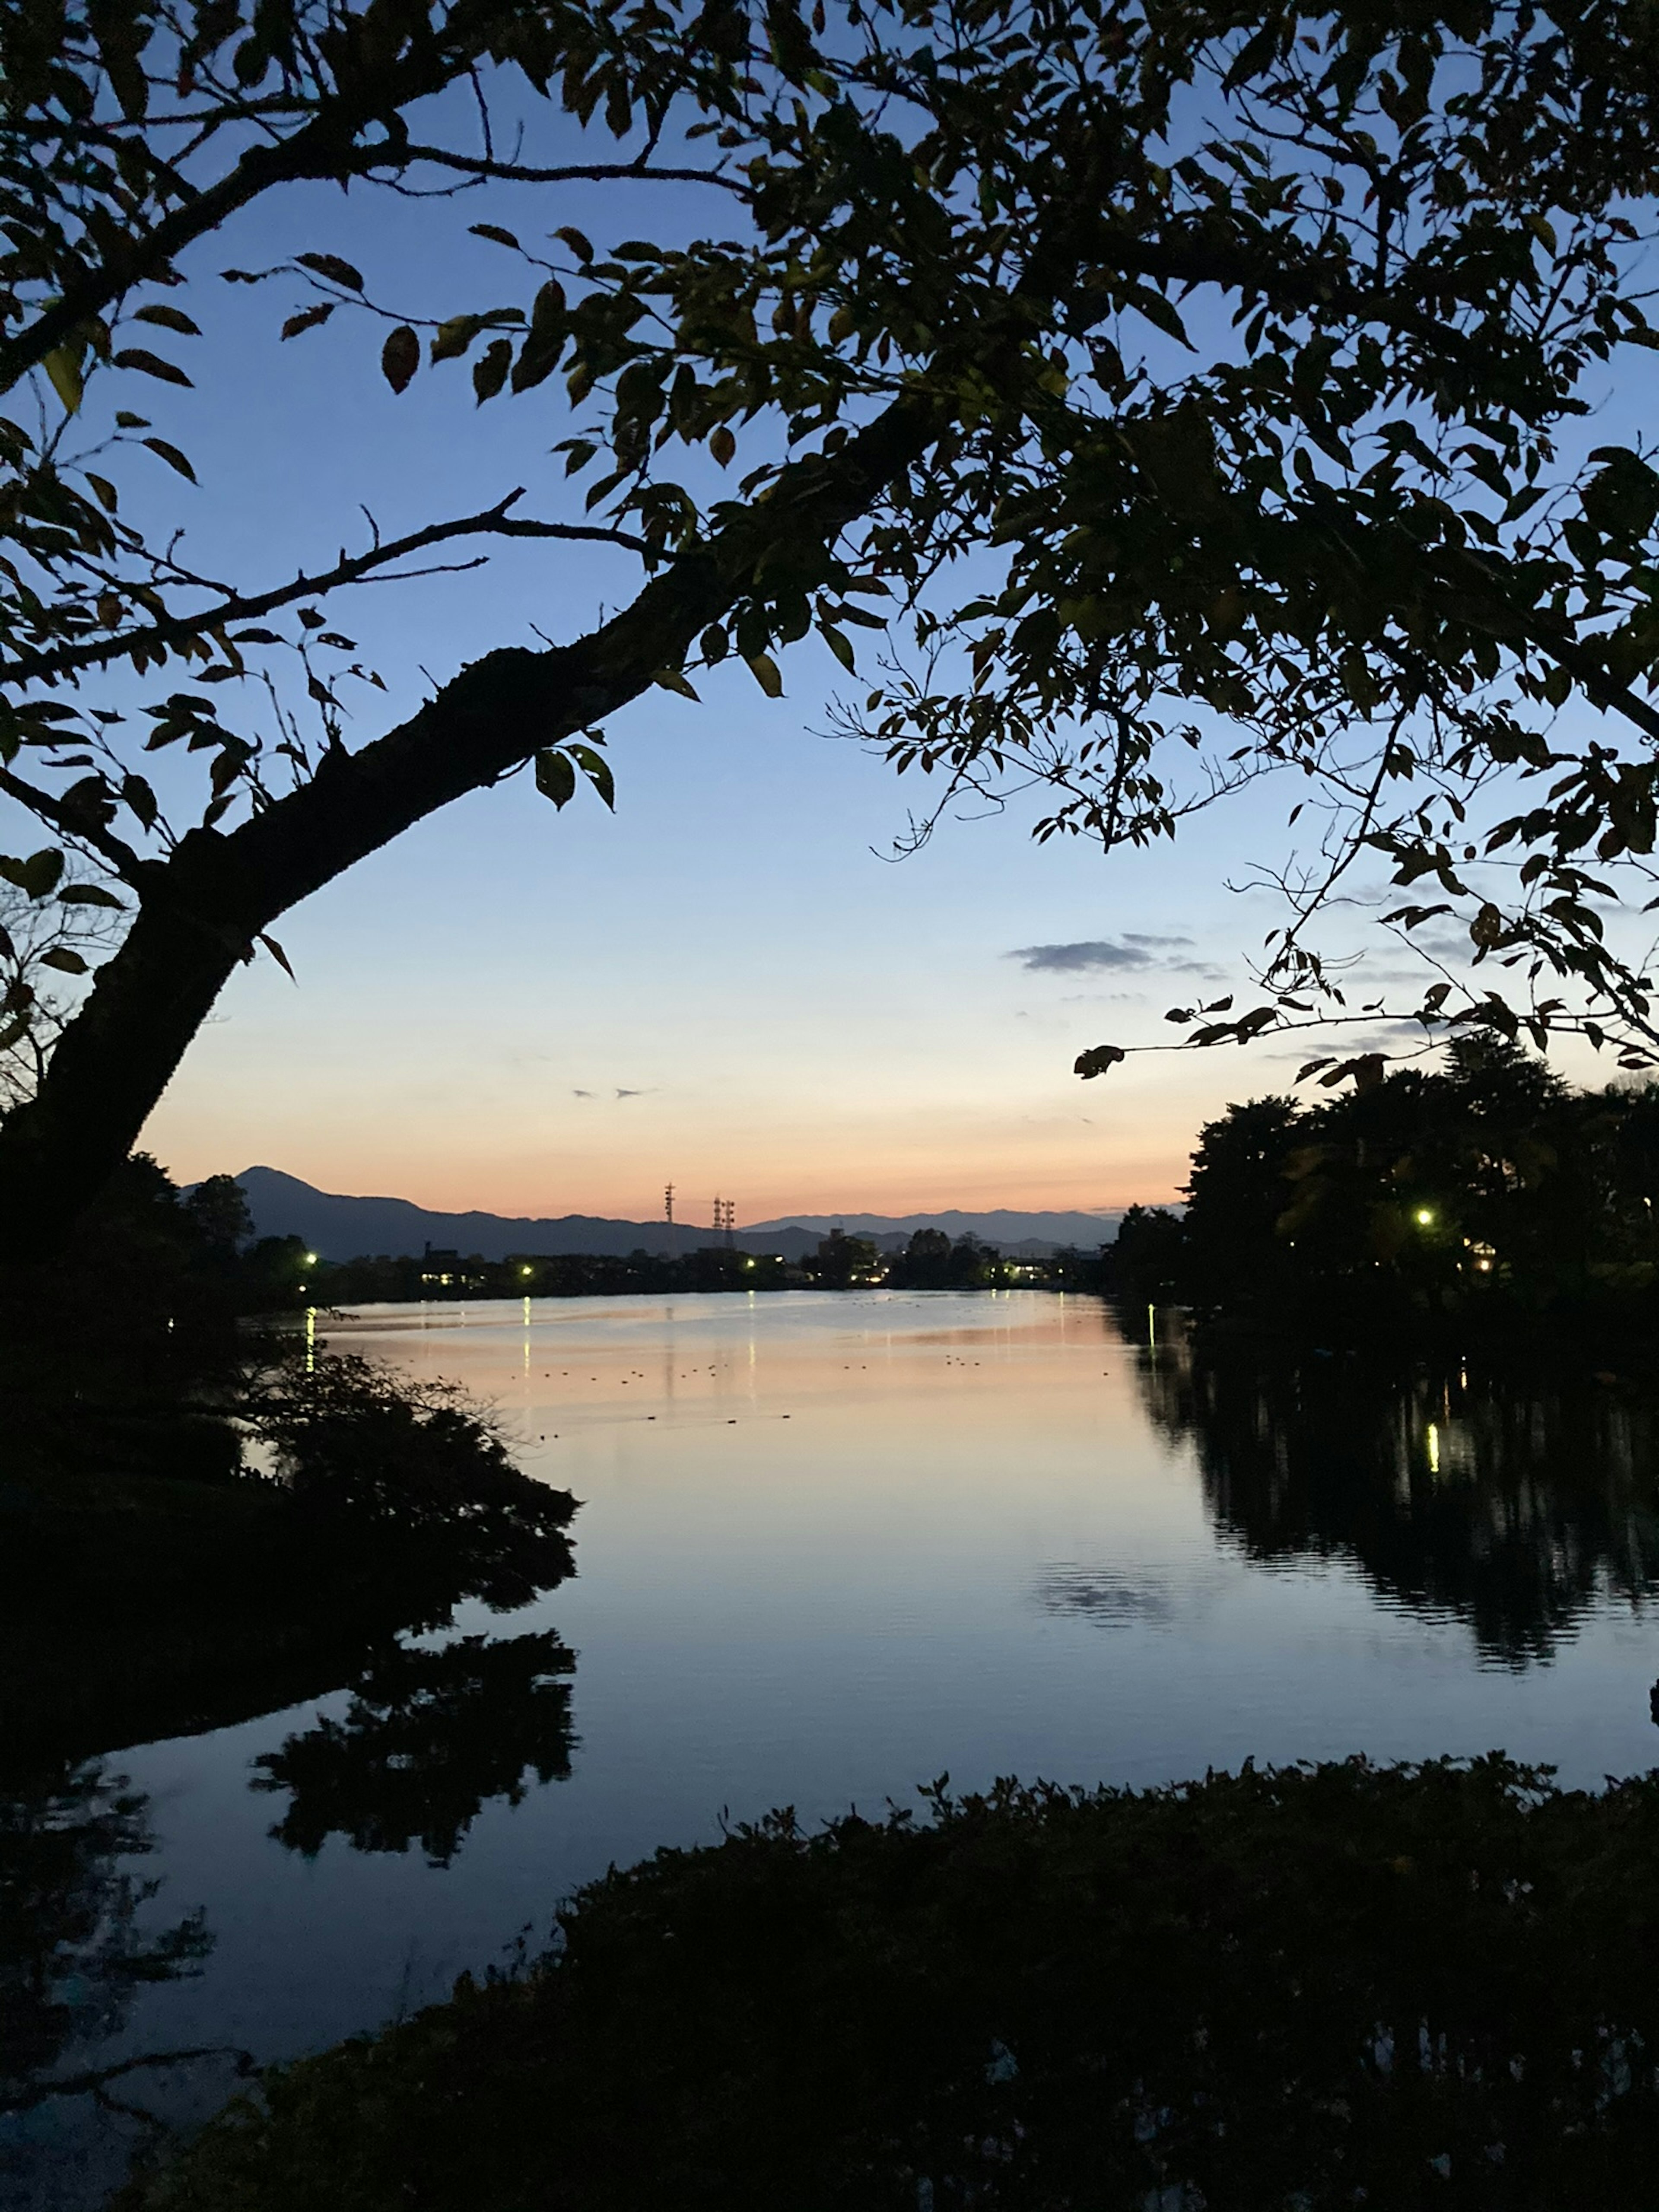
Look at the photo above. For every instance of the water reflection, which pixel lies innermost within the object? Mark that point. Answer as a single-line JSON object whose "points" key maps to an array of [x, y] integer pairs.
{"points": [[73, 1955], [1112, 1596], [1514, 1508], [427, 1738]]}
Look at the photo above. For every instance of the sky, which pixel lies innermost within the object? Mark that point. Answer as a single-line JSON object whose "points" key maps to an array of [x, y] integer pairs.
{"points": [[730, 985]]}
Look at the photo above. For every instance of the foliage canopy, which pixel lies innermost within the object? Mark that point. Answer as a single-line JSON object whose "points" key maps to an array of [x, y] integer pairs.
{"points": [[1180, 394]]}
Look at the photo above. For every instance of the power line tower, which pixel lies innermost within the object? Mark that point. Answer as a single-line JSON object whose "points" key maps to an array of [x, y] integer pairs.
{"points": [[726, 1220], [668, 1215]]}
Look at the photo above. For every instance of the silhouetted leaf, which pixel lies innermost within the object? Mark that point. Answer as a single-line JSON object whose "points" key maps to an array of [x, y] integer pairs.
{"points": [[62, 368], [151, 364], [556, 779], [309, 318], [171, 456], [39, 876], [168, 319], [1097, 1060], [331, 266], [595, 767], [400, 357], [490, 373], [454, 336]]}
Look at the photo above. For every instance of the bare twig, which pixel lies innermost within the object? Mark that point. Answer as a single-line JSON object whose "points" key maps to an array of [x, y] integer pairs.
{"points": [[160, 637]]}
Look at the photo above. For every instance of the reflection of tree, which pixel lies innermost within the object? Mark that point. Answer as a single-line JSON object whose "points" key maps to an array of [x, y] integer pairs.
{"points": [[71, 1953], [1510, 1507], [427, 1738]]}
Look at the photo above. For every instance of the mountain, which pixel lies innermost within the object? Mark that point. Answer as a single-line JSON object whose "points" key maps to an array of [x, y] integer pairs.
{"points": [[342, 1228], [1000, 1226]]}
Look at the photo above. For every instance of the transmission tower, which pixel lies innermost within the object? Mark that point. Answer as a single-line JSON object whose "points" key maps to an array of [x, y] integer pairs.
{"points": [[726, 1220], [668, 1215]]}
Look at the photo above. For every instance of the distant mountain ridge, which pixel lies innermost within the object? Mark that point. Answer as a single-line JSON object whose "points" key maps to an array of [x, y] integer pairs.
{"points": [[341, 1227], [1000, 1224]]}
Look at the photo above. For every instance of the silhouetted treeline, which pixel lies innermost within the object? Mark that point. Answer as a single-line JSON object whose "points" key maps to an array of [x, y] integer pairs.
{"points": [[930, 1261], [1487, 1192]]}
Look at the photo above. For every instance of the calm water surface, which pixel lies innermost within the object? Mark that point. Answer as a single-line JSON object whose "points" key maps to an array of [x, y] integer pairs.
{"points": [[831, 1547]]}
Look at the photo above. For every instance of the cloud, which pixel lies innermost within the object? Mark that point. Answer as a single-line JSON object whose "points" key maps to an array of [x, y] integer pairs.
{"points": [[621, 1093], [1132, 951]]}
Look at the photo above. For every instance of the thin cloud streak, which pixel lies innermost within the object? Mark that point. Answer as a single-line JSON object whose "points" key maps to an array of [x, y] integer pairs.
{"points": [[1132, 951]]}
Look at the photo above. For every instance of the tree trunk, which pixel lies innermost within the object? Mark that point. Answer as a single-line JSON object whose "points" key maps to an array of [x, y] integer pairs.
{"points": [[202, 910]]}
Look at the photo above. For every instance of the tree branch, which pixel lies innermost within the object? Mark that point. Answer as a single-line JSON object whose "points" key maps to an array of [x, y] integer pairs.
{"points": [[481, 165], [161, 636], [324, 147], [68, 823], [205, 906]]}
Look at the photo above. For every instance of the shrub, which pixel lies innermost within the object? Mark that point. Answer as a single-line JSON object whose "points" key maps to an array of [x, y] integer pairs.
{"points": [[1406, 1986]]}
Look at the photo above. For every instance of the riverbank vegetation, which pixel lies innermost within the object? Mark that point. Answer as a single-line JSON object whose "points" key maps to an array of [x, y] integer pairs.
{"points": [[930, 1260], [1485, 1201], [204, 1513], [1413, 1986]]}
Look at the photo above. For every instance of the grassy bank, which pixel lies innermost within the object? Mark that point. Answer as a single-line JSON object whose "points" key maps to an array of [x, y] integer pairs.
{"points": [[1409, 1986]]}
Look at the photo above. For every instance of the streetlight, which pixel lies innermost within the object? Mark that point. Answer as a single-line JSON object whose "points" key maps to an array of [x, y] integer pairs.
{"points": [[311, 1259], [1425, 1216]]}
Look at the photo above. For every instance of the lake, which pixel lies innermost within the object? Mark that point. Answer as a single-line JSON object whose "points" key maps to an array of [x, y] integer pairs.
{"points": [[832, 1547]]}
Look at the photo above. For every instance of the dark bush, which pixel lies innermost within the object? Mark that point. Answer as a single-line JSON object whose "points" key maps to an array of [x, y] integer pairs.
{"points": [[1413, 1986], [361, 1448]]}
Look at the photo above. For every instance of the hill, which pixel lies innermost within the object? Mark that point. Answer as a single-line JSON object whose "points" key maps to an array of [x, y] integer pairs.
{"points": [[343, 1228], [1000, 1226]]}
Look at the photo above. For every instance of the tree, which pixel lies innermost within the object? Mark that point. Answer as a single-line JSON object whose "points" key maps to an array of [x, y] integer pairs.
{"points": [[1237, 1193], [1149, 1256], [44, 944], [840, 1261], [1224, 357], [924, 1263], [218, 1208], [1487, 1184]]}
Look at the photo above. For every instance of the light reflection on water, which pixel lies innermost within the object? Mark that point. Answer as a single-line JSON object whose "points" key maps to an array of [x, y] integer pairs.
{"points": [[834, 1544]]}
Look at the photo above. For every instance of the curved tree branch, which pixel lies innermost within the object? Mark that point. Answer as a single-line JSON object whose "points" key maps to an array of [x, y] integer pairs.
{"points": [[205, 907], [160, 637], [518, 173]]}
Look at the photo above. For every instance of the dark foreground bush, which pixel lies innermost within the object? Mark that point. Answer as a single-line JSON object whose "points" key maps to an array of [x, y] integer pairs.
{"points": [[1406, 1986]]}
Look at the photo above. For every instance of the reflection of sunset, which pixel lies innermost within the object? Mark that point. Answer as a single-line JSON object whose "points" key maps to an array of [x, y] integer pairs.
{"points": [[831, 1543], [801, 1385]]}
